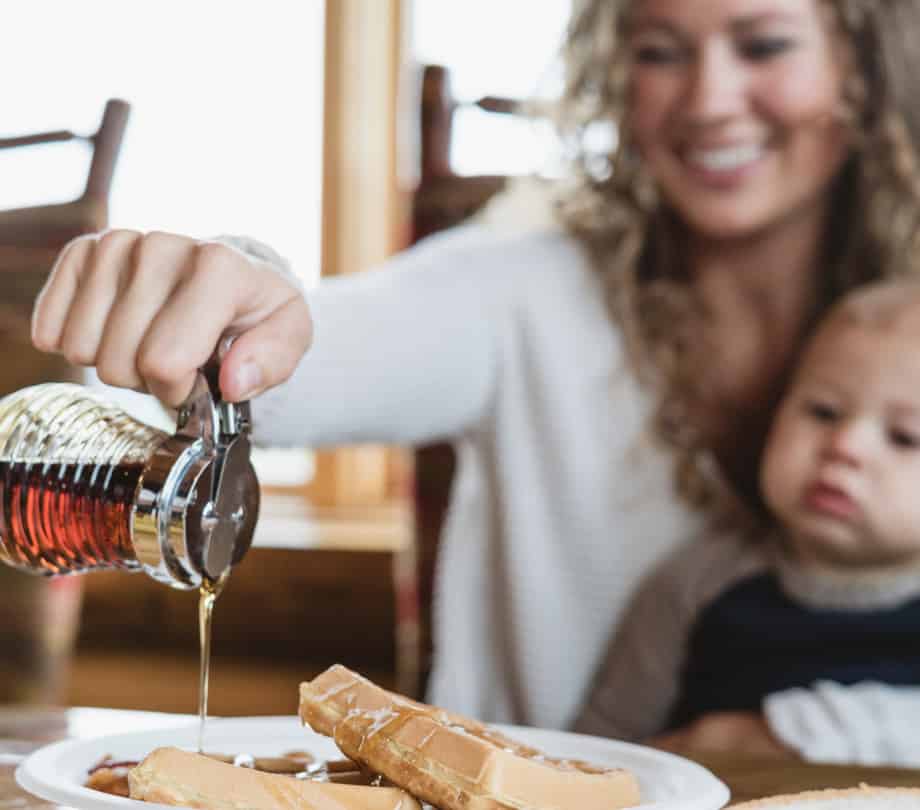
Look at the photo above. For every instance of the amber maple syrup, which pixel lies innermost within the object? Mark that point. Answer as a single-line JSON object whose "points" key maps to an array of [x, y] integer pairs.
{"points": [[60, 518], [207, 597]]}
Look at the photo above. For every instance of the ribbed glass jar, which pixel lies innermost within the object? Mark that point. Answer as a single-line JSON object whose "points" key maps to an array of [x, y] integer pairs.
{"points": [[70, 466]]}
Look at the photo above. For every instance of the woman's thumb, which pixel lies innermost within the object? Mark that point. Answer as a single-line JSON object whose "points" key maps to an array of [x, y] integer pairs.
{"points": [[266, 354]]}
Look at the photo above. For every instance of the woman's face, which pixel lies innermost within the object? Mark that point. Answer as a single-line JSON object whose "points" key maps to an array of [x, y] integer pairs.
{"points": [[735, 108]]}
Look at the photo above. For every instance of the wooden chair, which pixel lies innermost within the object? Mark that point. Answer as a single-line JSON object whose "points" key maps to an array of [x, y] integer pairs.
{"points": [[442, 200], [443, 197], [30, 238]]}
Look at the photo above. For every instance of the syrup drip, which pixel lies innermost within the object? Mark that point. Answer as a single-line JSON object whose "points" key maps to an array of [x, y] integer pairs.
{"points": [[207, 597]]}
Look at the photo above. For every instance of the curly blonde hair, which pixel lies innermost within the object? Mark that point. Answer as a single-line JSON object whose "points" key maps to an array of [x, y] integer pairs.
{"points": [[612, 210]]}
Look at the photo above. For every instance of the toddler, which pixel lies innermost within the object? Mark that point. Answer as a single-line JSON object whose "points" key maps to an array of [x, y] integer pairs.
{"points": [[811, 626]]}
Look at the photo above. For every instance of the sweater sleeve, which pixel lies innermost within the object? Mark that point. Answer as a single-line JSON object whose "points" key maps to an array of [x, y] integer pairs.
{"points": [[639, 681], [406, 352], [866, 724]]}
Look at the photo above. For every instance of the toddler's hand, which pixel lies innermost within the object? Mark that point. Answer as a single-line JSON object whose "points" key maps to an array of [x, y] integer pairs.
{"points": [[725, 732], [147, 310]]}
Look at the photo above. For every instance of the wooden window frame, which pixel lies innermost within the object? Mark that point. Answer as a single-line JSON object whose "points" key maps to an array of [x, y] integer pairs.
{"points": [[365, 207]]}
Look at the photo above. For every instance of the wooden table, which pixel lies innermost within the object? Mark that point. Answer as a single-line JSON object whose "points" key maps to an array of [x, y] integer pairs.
{"points": [[747, 777], [24, 730], [751, 777]]}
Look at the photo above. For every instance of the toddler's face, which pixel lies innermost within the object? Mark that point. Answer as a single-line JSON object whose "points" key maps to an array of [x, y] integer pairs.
{"points": [[842, 466]]}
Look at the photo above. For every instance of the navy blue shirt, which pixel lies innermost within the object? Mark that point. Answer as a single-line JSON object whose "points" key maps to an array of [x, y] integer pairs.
{"points": [[753, 640]]}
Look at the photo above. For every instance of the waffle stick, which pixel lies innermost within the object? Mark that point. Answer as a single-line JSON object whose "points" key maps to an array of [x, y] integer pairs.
{"points": [[175, 777], [450, 761]]}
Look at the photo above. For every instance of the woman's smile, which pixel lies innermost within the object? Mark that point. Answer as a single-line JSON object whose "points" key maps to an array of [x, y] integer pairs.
{"points": [[723, 166]]}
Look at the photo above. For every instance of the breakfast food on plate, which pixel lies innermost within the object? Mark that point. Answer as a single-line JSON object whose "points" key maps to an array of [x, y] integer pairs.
{"points": [[399, 752], [450, 761], [175, 777], [860, 798]]}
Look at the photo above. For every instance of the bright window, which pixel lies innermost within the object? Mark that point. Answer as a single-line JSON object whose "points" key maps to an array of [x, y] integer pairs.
{"points": [[498, 48], [225, 130], [225, 127]]}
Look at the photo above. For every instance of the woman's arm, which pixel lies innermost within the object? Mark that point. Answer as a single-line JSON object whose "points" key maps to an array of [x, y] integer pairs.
{"points": [[404, 353], [407, 352]]}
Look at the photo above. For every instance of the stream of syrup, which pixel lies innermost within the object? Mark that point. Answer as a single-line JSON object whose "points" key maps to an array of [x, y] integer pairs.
{"points": [[207, 597]]}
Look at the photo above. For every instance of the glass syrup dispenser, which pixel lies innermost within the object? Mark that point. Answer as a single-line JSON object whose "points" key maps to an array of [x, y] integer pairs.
{"points": [[84, 486]]}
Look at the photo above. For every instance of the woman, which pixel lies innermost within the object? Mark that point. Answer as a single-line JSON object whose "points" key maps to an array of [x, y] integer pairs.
{"points": [[749, 186]]}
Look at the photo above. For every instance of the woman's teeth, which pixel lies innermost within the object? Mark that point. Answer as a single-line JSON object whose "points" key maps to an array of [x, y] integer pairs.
{"points": [[725, 158]]}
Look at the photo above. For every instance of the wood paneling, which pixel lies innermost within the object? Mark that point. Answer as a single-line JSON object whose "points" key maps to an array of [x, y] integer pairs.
{"points": [[365, 207]]}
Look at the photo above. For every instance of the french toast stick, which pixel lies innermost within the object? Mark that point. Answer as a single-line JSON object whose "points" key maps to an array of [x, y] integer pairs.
{"points": [[176, 777], [450, 761]]}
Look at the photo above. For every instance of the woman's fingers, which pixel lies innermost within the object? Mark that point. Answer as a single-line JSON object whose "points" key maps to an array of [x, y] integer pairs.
{"points": [[244, 297], [188, 328], [52, 306], [96, 291], [148, 311], [159, 264]]}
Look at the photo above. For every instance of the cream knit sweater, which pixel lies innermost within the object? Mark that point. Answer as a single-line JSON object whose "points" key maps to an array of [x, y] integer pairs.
{"points": [[561, 503]]}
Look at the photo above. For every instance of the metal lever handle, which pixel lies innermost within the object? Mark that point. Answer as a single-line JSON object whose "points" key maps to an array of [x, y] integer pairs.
{"points": [[223, 516], [205, 484], [234, 417]]}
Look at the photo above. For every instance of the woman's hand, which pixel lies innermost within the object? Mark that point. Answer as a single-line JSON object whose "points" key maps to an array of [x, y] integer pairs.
{"points": [[147, 310], [725, 732]]}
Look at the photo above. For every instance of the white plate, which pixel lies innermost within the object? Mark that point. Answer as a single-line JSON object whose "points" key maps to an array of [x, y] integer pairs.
{"points": [[57, 772]]}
